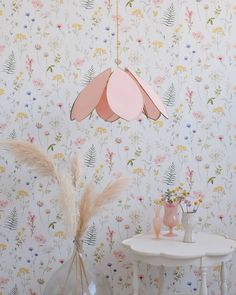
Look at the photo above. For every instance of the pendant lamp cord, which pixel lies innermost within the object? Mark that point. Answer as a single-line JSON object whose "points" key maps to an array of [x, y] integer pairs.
{"points": [[117, 34]]}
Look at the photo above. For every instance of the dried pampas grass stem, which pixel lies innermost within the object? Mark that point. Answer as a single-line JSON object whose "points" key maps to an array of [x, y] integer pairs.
{"points": [[31, 156], [75, 170], [91, 205], [40, 162], [67, 202]]}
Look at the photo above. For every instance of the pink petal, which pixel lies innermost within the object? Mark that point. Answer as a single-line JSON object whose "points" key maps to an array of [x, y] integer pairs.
{"points": [[153, 104], [89, 97], [124, 96], [103, 109], [113, 118]]}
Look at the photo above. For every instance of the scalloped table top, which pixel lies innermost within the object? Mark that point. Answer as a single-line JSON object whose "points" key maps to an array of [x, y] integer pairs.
{"points": [[206, 245]]}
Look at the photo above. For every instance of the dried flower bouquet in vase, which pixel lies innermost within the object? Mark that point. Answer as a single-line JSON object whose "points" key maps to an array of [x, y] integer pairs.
{"points": [[73, 277]]}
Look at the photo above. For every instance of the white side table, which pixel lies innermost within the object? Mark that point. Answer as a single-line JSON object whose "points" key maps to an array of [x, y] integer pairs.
{"points": [[171, 252]]}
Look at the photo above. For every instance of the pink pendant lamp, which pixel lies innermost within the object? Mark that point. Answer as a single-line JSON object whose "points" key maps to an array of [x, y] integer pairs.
{"points": [[117, 94]]}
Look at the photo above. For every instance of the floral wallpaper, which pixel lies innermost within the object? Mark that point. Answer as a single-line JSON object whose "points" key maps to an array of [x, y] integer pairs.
{"points": [[49, 51]]}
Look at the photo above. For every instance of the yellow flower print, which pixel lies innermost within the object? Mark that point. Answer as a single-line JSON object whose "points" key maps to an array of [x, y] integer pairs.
{"points": [[158, 123], [2, 91], [20, 37], [2, 169], [137, 12], [22, 270], [21, 115], [22, 194], [178, 28], [19, 76], [219, 110], [155, 13], [219, 189], [181, 148], [3, 247], [139, 171], [58, 78], [180, 69], [1, 13], [58, 156], [77, 26], [157, 44], [179, 108], [99, 51], [60, 234], [218, 30], [100, 130]]}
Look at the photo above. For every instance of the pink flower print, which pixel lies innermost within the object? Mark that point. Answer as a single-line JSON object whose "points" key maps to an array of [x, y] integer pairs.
{"points": [[139, 40], [37, 4], [59, 26], [117, 174], [119, 255], [79, 141], [3, 126], [40, 239], [159, 159], [2, 47], [117, 18], [31, 218], [199, 116], [3, 281], [78, 62], [221, 216], [29, 66], [157, 2], [3, 204], [38, 83], [32, 292], [30, 138], [198, 36], [188, 19], [189, 172], [140, 198], [159, 80]]}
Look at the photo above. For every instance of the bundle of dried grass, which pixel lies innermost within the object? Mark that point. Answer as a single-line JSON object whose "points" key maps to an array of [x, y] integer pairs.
{"points": [[90, 204], [76, 221]]}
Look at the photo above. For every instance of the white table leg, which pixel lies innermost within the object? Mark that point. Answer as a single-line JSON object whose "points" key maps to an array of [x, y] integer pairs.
{"points": [[204, 281], [223, 276], [162, 274], [135, 278]]}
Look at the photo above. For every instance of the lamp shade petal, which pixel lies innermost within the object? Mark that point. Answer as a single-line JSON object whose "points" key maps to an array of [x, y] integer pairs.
{"points": [[124, 96], [89, 97], [153, 105], [113, 118], [103, 109]]}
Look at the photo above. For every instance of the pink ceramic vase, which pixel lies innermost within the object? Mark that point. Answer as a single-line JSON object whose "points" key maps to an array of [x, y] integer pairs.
{"points": [[171, 218], [157, 222]]}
